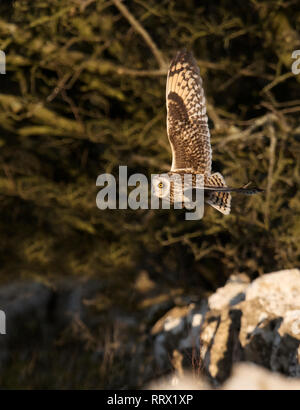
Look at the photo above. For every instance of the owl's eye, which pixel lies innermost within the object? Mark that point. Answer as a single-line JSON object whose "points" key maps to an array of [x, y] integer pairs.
{"points": [[160, 185]]}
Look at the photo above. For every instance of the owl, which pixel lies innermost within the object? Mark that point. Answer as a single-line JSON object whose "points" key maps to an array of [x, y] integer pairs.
{"points": [[189, 137]]}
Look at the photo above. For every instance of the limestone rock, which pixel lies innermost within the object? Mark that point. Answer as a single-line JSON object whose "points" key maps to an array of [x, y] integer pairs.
{"points": [[257, 322], [244, 376]]}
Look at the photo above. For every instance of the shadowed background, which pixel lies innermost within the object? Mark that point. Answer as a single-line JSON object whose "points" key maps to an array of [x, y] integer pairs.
{"points": [[84, 92]]}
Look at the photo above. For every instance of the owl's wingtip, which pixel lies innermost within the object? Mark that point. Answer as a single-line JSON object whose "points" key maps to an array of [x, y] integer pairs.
{"points": [[185, 55], [184, 52]]}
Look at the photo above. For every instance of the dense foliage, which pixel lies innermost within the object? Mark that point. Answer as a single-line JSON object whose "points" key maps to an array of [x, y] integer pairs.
{"points": [[84, 93]]}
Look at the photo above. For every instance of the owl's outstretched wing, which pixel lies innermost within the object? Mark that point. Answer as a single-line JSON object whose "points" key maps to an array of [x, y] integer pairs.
{"points": [[186, 116]]}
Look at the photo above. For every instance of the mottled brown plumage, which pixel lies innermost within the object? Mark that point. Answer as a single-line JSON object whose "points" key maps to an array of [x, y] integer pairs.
{"points": [[188, 132], [187, 127]]}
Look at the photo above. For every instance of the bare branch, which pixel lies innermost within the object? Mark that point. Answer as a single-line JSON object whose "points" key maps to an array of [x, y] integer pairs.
{"points": [[140, 29], [140, 73], [271, 135], [256, 123]]}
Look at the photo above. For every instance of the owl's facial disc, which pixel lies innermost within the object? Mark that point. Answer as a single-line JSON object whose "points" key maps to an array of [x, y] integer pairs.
{"points": [[161, 186]]}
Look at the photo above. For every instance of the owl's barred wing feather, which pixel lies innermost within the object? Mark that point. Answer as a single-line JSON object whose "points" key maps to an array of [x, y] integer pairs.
{"points": [[187, 126], [219, 200]]}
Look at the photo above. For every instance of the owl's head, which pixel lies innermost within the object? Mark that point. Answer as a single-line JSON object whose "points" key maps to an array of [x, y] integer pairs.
{"points": [[161, 185]]}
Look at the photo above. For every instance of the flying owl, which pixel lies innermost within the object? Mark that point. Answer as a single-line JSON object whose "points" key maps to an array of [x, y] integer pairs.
{"points": [[189, 136]]}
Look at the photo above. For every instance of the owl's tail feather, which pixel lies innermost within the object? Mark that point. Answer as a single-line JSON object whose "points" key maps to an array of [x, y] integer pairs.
{"points": [[219, 200]]}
